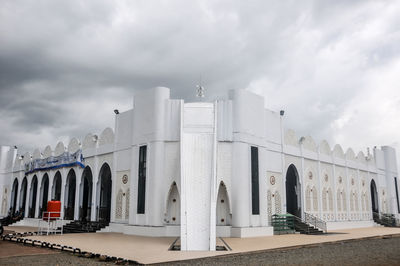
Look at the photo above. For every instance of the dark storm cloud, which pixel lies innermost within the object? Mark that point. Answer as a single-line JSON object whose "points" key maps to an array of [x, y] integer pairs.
{"points": [[65, 65]]}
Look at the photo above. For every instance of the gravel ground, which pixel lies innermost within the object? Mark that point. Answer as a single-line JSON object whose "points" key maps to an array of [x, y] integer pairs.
{"points": [[62, 258], [356, 252]]}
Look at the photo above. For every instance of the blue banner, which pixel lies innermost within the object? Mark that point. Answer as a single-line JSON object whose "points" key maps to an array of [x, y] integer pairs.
{"points": [[53, 162]]}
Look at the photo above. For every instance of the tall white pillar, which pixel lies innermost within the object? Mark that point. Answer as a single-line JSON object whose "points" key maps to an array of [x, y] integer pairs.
{"points": [[28, 195], [78, 180]]}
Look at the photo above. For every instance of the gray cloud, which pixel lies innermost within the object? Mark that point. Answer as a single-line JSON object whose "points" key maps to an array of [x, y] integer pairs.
{"points": [[65, 65]]}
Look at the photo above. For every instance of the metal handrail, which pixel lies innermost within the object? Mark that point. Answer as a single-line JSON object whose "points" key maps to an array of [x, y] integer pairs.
{"points": [[315, 221], [49, 224], [385, 219]]}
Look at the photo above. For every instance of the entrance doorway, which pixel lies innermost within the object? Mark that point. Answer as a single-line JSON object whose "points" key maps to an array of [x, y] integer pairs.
{"points": [[44, 191], [86, 195], [14, 195], [104, 186], [293, 192], [70, 196], [374, 197], [33, 196], [57, 187], [22, 196]]}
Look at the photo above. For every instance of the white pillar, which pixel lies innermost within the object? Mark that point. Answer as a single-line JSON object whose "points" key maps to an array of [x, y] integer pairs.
{"points": [[320, 188], [78, 180], [18, 191], [28, 194], [51, 182], [240, 185], [95, 177], [346, 188], [334, 192], [39, 185], [63, 185]]}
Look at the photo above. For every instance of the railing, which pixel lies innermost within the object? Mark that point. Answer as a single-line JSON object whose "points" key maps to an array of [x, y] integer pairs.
{"points": [[52, 222], [315, 221], [385, 219], [283, 223]]}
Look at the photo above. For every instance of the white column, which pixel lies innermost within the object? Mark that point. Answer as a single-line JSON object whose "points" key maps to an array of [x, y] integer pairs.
{"points": [[359, 192], [95, 178], [28, 195], [302, 183], [18, 191], [347, 191], [39, 185], [320, 188], [334, 191], [51, 182], [78, 179], [63, 185]]}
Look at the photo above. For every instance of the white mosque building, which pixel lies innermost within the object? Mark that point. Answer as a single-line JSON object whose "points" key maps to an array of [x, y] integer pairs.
{"points": [[200, 170]]}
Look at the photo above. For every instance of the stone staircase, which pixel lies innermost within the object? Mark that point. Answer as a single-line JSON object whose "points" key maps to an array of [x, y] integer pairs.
{"points": [[83, 227], [6, 221], [289, 224], [304, 228]]}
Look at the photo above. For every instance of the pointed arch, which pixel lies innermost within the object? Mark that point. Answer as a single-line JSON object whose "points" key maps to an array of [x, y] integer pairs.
{"points": [[56, 189], [293, 191], [14, 196], [223, 208], [22, 195], [44, 194], [374, 197], [173, 210], [104, 189], [33, 197], [86, 188], [69, 196]]}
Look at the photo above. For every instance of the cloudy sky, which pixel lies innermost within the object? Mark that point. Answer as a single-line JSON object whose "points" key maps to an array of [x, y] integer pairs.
{"points": [[333, 66]]}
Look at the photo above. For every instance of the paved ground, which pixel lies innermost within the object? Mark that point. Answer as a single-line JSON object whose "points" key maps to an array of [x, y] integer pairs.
{"points": [[353, 252], [155, 250]]}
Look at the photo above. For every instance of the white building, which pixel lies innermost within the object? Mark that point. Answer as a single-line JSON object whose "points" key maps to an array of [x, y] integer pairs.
{"points": [[200, 170]]}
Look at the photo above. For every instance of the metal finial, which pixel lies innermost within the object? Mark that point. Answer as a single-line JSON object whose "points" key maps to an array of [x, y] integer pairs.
{"points": [[200, 91]]}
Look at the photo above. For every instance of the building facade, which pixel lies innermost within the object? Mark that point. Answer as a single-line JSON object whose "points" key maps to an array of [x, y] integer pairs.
{"points": [[200, 170]]}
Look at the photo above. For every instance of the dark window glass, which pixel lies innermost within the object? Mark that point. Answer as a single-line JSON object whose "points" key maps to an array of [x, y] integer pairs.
{"points": [[397, 195], [142, 180], [255, 191]]}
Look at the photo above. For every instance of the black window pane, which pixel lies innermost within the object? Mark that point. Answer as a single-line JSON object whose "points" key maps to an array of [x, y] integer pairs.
{"points": [[142, 180], [255, 191]]}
